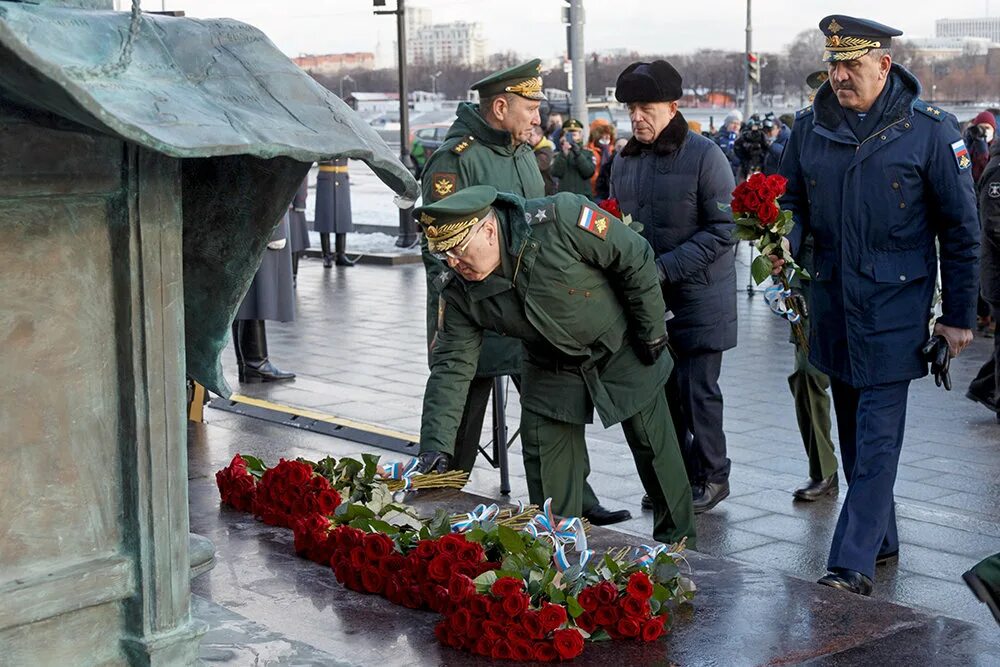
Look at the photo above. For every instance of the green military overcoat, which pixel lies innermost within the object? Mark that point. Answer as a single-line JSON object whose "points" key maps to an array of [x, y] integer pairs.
{"points": [[476, 154], [574, 171], [576, 287]]}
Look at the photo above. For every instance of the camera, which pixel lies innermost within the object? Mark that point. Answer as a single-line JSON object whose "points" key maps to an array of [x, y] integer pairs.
{"points": [[751, 146], [977, 132]]}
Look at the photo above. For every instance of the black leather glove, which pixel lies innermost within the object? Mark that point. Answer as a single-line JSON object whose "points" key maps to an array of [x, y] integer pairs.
{"points": [[433, 462], [649, 351], [937, 353]]}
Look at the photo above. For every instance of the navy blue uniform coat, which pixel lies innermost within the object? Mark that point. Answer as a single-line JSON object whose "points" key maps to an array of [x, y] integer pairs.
{"points": [[875, 208]]}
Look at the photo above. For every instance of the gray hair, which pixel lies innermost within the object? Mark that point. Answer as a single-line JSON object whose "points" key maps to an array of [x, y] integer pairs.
{"points": [[877, 54]]}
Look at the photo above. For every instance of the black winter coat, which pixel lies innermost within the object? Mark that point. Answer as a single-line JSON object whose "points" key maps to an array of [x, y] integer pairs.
{"points": [[989, 217], [674, 187]]}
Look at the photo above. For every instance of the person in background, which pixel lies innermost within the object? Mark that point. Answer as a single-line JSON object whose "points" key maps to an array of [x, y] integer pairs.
{"points": [[333, 211], [573, 164], [553, 130], [601, 143], [726, 139], [978, 139], [297, 228], [544, 150], [602, 189], [777, 136]]}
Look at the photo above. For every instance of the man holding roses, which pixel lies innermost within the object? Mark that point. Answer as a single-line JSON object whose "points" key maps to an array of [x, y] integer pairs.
{"points": [[672, 180], [876, 176]]}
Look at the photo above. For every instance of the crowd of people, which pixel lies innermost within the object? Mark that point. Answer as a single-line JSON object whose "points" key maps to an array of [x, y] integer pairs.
{"points": [[587, 315]]}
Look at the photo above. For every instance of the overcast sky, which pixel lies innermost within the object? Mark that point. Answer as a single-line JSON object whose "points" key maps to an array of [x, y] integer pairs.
{"points": [[532, 27]]}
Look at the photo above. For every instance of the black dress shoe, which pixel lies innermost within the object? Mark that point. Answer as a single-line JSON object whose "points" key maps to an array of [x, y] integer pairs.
{"points": [[647, 502], [600, 516], [327, 261], [712, 493], [848, 580], [816, 489], [982, 397], [888, 558], [252, 373], [982, 591]]}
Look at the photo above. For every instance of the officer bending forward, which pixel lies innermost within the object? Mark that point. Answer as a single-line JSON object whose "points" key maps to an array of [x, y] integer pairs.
{"points": [[580, 290]]}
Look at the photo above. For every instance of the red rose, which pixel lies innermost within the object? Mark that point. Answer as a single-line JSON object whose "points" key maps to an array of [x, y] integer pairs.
{"points": [[480, 605], [493, 630], [653, 628], [629, 627], [327, 500], [611, 206], [460, 587], [505, 586], [502, 650], [588, 599], [484, 646], [516, 603], [451, 544], [442, 634], [545, 652], [358, 558], [378, 546], [607, 592], [606, 616], [777, 183], [393, 563], [531, 624], [460, 620], [522, 650], [470, 552], [498, 613], [372, 580], [640, 586], [471, 570], [439, 569], [426, 549], [767, 212], [757, 181], [568, 643], [586, 622], [552, 616], [635, 608]]}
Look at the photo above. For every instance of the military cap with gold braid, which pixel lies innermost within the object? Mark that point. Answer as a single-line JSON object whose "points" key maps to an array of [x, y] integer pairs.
{"points": [[572, 124], [848, 38], [447, 222], [523, 80]]}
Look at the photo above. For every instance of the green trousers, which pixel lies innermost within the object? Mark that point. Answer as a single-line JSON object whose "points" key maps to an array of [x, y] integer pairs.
{"points": [[470, 432], [556, 465], [812, 411]]}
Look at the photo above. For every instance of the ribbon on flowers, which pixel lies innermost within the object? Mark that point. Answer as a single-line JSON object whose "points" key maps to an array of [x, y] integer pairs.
{"points": [[775, 296], [397, 470], [480, 513], [645, 554], [568, 531]]}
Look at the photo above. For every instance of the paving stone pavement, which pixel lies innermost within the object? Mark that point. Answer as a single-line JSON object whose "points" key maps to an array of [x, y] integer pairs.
{"points": [[358, 347]]}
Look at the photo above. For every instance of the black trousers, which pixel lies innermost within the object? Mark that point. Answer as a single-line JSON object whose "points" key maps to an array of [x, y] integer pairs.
{"points": [[695, 401]]}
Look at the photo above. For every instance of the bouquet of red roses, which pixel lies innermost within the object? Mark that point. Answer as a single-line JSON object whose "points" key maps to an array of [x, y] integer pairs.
{"points": [[759, 219]]}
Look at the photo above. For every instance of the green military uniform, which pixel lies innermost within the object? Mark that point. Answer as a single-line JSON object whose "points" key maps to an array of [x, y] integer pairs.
{"points": [[574, 170], [809, 388], [578, 289], [475, 153]]}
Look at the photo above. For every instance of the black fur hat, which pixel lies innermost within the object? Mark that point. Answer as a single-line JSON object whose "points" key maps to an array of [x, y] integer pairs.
{"points": [[657, 81]]}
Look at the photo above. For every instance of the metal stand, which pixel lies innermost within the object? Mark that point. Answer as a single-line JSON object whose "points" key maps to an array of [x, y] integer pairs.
{"points": [[498, 457]]}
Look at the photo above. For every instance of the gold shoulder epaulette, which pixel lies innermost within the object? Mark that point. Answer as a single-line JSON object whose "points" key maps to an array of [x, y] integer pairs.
{"points": [[464, 144]]}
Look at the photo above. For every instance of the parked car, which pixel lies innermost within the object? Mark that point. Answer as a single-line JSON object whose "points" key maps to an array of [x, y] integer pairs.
{"points": [[424, 140]]}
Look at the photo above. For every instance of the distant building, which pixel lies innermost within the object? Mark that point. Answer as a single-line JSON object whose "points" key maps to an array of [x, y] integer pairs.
{"points": [[458, 43], [988, 27], [368, 102], [333, 63], [945, 48]]}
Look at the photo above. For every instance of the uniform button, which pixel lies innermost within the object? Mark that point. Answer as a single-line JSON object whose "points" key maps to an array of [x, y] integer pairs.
{"points": [[906, 125], [895, 186], [902, 205], [816, 273], [586, 293], [883, 137], [902, 277], [572, 291], [534, 245]]}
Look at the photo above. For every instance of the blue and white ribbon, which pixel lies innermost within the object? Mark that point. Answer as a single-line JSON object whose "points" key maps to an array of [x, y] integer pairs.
{"points": [[479, 514], [775, 296], [569, 531], [646, 555], [398, 471]]}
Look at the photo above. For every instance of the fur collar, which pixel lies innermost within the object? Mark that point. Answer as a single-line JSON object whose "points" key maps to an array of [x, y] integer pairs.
{"points": [[668, 141]]}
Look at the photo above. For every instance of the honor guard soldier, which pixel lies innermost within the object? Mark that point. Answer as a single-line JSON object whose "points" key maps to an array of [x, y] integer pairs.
{"points": [[298, 230], [876, 176], [270, 297], [333, 210], [489, 143], [579, 290], [574, 164]]}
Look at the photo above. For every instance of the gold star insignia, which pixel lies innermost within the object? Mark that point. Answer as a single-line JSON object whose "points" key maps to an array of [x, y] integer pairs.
{"points": [[834, 27]]}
